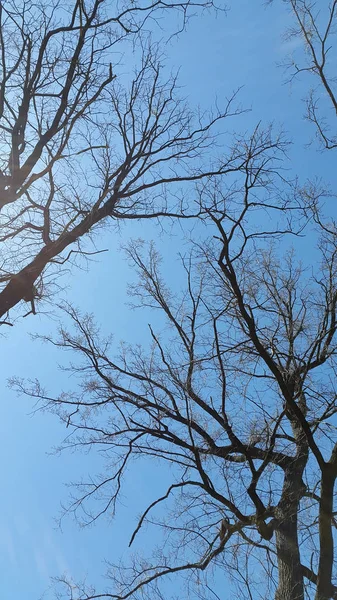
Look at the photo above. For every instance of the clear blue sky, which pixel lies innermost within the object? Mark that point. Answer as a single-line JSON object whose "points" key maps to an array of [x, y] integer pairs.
{"points": [[216, 56]]}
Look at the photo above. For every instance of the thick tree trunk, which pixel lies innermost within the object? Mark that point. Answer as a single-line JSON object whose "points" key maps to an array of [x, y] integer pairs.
{"points": [[290, 577], [326, 558]]}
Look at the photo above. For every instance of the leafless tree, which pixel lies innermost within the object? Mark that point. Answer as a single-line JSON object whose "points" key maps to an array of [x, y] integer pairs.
{"points": [[315, 26], [237, 395], [80, 143]]}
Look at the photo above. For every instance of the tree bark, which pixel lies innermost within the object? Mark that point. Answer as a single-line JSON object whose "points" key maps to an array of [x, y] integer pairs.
{"points": [[290, 575], [290, 578], [326, 556]]}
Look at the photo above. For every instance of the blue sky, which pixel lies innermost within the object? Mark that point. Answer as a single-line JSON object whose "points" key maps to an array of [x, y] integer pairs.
{"points": [[216, 56]]}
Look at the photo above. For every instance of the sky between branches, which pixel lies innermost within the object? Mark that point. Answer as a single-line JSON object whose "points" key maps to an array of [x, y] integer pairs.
{"points": [[216, 55]]}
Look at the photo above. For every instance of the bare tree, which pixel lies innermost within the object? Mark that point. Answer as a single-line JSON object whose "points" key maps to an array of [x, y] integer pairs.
{"points": [[315, 25], [80, 144], [238, 396]]}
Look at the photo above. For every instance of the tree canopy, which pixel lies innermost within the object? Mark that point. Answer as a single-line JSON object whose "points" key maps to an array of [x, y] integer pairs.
{"points": [[235, 395]]}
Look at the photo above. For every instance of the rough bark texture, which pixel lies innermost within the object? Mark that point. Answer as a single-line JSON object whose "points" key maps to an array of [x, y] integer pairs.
{"points": [[326, 559], [290, 573], [290, 582]]}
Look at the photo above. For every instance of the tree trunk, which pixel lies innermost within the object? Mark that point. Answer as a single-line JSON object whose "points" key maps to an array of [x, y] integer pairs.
{"points": [[326, 558], [290, 577]]}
